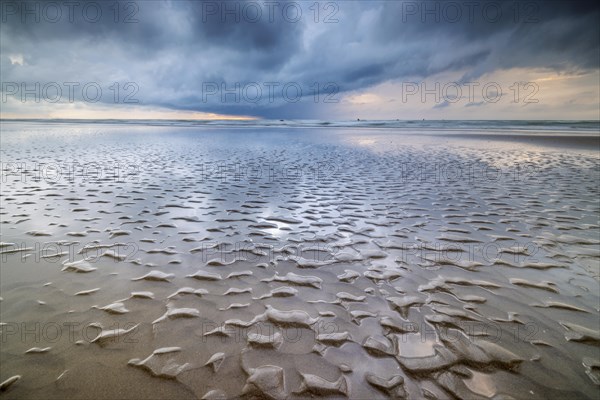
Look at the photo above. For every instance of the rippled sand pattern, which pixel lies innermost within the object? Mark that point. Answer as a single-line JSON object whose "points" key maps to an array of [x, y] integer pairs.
{"points": [[333, 270]]}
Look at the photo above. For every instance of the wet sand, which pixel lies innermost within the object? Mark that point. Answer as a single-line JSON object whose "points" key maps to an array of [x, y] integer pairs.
{"points": [[587, 142], [188, 262]]}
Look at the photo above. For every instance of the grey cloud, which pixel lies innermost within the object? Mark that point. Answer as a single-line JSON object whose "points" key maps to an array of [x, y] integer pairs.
{"points": [[443, 104], [176, 46]]}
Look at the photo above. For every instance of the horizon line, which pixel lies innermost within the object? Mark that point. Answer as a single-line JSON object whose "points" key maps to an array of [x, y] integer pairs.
{"points": [[289, 119]]}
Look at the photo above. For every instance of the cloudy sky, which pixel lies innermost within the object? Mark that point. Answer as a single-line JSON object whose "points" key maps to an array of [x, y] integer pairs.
{"points": [[327, 60]]}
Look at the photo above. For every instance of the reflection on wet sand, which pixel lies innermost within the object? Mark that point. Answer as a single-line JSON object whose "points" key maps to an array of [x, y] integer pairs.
{"points": [[166, 262]]}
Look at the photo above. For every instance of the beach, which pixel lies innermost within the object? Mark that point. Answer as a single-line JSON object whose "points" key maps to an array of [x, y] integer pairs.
{"points": [[290, 260]]}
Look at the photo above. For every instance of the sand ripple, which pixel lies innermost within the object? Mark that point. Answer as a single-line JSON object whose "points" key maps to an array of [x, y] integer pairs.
{"points": [[366, 280]]}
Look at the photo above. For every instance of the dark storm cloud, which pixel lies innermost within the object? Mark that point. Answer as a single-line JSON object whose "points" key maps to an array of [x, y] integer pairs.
{"points": [[177, 51]]}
